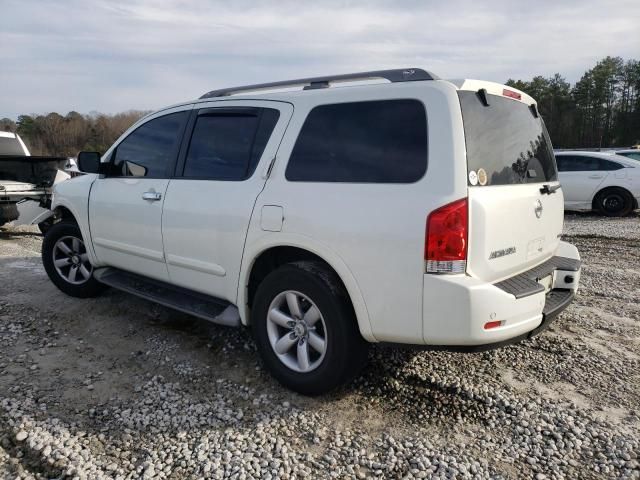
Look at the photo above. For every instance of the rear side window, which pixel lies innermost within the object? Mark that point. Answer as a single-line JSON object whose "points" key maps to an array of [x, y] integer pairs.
{"points": [[609, 165], [150, 150], [362, 142], [228, 145], [507, 143]]}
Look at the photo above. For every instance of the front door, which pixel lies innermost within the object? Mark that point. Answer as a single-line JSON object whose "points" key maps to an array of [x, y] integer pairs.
{"points": [[210, 201], [125, 207]]}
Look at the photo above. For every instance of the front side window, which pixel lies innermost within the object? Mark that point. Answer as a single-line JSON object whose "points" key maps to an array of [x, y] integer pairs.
{"points": [[150, 150], [362, 142], [228, 145]]}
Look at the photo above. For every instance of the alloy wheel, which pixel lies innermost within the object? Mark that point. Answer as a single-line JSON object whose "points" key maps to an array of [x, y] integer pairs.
{"points": [[297, 331], [71, 260]]}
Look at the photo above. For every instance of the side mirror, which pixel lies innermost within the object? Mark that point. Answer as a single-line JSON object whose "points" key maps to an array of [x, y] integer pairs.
{"points": [[89, 162]]}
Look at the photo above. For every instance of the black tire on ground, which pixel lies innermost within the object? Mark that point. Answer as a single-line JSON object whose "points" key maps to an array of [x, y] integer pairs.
{"points": [[67, 231], [614, 202], [345, 351], [45, 226]]}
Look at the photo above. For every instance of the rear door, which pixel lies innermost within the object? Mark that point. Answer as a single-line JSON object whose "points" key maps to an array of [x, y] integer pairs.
{"points": [[580, 176], [222, 169], [513, 223], [125, 207]]}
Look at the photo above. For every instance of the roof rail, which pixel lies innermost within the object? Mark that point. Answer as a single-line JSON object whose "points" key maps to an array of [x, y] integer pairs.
{"points": [[397, 75]]}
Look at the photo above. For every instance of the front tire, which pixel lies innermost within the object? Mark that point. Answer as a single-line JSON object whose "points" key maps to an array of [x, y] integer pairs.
{"points": [[614, 202], [45, 226], [65, 259], [305, 329]]}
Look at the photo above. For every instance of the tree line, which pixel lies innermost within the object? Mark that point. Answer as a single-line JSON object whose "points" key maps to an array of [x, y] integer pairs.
{"points": [[602, 109], [57, 135]]}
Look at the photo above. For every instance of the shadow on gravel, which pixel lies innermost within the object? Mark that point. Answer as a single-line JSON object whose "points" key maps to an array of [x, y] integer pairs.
{"points": [[11, 234], [595, 216], [429, 387]]}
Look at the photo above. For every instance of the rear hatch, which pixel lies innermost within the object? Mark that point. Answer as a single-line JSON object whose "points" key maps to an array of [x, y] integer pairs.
{"points": [[515, 222]]}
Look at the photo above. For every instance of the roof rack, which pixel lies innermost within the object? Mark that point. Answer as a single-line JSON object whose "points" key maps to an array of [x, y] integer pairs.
{"points": [[397, 75]]}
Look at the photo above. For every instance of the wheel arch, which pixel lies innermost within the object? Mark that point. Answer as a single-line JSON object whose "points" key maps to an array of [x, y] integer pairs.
{"points": [[64, 213], [292, 248], [65, 210]]}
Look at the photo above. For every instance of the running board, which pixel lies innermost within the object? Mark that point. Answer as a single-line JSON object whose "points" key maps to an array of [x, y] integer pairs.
{"points": [[194, 303]]}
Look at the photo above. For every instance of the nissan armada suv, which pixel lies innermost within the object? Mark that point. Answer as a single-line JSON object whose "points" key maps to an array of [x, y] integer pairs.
{"points": [[328, 213]]}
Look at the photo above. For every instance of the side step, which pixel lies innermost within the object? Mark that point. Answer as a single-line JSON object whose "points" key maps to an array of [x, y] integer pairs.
{"points": [[194, 303]]}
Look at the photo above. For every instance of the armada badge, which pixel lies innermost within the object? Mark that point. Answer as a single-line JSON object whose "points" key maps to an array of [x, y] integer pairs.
{"points": [[502, 252]]}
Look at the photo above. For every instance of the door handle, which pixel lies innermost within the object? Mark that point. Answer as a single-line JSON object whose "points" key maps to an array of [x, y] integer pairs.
{"points": [[153, 196], [595, 176]]}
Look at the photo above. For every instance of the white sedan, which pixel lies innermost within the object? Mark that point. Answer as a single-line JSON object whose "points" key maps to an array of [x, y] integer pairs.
{"points": [[606, 183]]}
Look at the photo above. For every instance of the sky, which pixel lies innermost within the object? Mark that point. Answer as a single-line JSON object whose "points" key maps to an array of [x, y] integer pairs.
{"points": [[112, 56]]}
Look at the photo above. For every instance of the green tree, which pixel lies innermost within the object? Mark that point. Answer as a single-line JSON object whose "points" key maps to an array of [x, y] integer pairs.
{"points": [[7, 125], [601, 110]]}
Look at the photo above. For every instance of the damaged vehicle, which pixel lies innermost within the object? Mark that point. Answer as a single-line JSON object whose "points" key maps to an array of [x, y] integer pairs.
{"points": [[26, 183]]}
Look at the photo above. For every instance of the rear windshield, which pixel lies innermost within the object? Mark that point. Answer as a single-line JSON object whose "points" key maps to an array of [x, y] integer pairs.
{"points": [[10, 146], [632, 155], [506, 143]]}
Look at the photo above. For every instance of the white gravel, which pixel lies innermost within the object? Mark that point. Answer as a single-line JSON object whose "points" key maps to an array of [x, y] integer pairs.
{"points": [[175, 397], [583, 224]]}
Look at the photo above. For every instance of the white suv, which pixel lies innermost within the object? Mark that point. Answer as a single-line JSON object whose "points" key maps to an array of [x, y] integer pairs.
{"points": [[404, 209]]}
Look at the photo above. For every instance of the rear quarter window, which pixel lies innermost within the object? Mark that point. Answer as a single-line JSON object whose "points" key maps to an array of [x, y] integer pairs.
{"points": [[362, 142], [609, 165]]}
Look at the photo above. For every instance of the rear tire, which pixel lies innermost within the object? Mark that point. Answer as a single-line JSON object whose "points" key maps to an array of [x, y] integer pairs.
{"points": [[614, 202], [320, 346], [65, 259]]}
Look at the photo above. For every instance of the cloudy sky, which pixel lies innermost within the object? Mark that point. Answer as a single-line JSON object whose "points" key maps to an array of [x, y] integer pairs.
{"points": [[110, 56]]}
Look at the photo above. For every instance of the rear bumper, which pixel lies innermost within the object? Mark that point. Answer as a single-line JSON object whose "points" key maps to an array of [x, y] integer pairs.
{"points": [[560, 299], [456, 308]]}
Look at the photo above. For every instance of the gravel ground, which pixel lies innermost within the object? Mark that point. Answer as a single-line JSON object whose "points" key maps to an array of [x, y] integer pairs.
{"points": [[116, 387]]}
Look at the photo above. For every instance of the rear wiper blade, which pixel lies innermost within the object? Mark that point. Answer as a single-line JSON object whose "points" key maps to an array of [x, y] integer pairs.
{"points": [[482, 93], [548, 189]]}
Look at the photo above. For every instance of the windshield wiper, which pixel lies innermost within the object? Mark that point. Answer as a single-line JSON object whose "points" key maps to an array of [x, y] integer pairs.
{"points": [[548, 189]]}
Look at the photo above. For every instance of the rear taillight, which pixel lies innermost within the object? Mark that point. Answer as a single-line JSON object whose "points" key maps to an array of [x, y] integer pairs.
{"points": [[445, 249]]}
